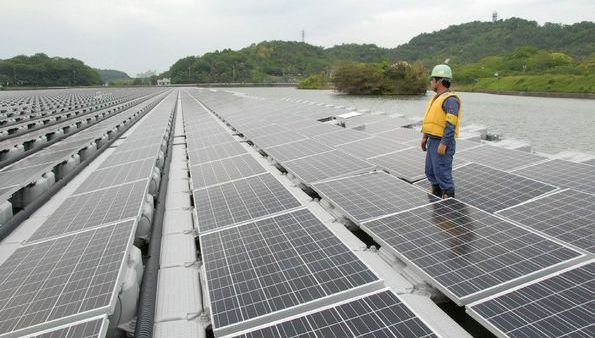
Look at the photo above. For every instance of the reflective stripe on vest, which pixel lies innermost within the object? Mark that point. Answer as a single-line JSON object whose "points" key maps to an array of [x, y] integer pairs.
{"points": [[435, 117]]}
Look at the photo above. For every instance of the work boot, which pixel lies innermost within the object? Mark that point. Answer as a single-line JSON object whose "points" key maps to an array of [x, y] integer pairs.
{"points": [[436, 191], [448, 194]]}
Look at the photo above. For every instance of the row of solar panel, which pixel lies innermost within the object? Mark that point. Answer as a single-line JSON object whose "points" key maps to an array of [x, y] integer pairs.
{"points": [[70, 269], [464, 251], [281, 260]]}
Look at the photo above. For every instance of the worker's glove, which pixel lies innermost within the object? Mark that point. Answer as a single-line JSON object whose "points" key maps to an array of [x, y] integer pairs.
{"points": [[423, 143], [441, 149]]}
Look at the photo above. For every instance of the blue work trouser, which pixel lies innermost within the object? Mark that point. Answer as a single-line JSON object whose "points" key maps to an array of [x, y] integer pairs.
{"points": [[439, 167]]}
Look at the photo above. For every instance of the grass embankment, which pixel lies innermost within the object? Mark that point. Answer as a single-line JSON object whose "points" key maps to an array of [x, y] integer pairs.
{"points": [[551, 83]]}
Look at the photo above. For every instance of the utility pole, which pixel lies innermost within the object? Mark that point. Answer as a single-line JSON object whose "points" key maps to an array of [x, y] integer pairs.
{"points": [[73, 77], [303, 35], [188, 73]]}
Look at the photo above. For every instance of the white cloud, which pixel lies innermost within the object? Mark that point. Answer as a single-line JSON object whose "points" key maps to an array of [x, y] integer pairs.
{"points": [[137, 35]]}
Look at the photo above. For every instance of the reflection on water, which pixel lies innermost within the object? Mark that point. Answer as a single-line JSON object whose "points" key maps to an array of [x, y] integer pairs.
{"points": [[550, 125]]}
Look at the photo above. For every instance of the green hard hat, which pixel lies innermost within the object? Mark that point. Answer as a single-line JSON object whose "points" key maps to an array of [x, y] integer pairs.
{"points": [[442, 71]]}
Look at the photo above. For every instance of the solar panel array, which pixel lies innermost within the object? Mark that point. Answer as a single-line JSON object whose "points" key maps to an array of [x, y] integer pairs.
{"points": [[377, 315], [491, 189], [567, 215], [224, 170], [69, 270], [466, 251], [564, 174], [460, 248], [372, 195], [559, 306]]}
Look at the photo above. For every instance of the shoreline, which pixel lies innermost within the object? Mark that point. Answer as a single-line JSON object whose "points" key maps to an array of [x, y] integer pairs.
{"points": [[535, 94]]}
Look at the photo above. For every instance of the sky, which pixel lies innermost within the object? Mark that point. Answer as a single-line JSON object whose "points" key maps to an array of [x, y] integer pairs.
{"points": [[139, 35]]}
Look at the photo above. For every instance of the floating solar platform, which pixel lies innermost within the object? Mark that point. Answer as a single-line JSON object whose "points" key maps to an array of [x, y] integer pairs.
{"points": [[491, 189], [93, 328], [123, 157], [401, 134], [46, 156], [118, 175], [239, 201], [568, 215], [558, 306], [564, 174], [371, 147], [63, 280], [468, 253], [222, 171], [295, 150], [376, 315], [217, 152], [500, 158], [278, 267], [372, 195], [342, 136], [92, 209], [326, 165]]}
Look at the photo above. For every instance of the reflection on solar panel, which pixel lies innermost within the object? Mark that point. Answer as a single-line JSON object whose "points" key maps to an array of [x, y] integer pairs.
{"points": [[277, 139], [491, 189], [224, 170], [326, 165], [464, 251], [376, 315], [240, 201], [94, 328], [370, 147], [295, 150], [122, 157], [340, 137], [117, 175], [70, 276], [93, 209], [500, 158], [214, 153], [567, 215], [401, 134], [319, 129], [372, 195], [277, 263], [564, 174], [559, 306]]}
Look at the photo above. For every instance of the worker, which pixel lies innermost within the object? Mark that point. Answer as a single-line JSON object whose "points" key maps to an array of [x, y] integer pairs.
{"points": [[440, 127]]}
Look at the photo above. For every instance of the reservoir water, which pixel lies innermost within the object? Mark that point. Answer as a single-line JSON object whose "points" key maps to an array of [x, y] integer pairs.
{"points": [[550, 125]]}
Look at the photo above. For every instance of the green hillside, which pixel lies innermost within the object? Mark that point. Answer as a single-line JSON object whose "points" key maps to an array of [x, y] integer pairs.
{"points": [[42, 70], [111, 75]]}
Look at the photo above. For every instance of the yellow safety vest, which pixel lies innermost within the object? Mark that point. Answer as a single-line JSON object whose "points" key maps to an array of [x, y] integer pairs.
{"points": [[435, 117]]}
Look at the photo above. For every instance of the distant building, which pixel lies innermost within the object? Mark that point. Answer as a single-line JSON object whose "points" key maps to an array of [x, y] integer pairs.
{"points": [[164, 82]]}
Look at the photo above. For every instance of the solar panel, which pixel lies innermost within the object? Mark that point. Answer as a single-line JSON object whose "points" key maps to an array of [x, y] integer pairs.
{"points": [[371, 147], [278, 264], [386, 125], [92, 209], [221, 171], [238, 201], [408, 164], [559, 306], [564, 174], [277, 139], [295, 150], [93, 328], [122, 157], [9, 177], [372, 195], [466, 252], [319, 129], [566, 215], [491, 189], [500, 158], [117, 175], [326, 165], [204, 140], [216, 152], [590, 162], [46, 156], [46, 283], [340, 137], [401, 134], [376, 315]]}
